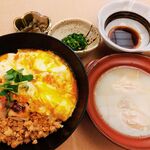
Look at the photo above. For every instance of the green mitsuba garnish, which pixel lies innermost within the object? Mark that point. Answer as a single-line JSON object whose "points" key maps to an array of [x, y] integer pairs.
{"points": [[12, 80], [17, 76]]}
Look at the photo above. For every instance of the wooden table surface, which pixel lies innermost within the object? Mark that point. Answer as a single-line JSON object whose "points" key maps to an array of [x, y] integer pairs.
{"points": [[86, 136]]}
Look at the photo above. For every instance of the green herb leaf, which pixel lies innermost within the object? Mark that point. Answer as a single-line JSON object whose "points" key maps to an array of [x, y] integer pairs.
{"points": [[17, 76], [9, 77], [3, 93], [13, 88], [11, 71], [27, 77], [13, 79]]}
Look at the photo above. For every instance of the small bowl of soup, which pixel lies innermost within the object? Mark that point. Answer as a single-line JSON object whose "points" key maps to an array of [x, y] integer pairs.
{"points": [[119, 99]]}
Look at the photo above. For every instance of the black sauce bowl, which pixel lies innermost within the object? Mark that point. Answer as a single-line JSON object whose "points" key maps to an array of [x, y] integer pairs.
{"points": [[10, 43]]}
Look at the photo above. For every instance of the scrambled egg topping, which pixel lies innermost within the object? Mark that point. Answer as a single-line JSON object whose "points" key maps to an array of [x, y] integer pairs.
{"points": [[53, 90]]}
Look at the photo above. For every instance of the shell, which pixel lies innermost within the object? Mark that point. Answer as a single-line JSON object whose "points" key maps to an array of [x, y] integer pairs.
{"points": [[32, 22]]}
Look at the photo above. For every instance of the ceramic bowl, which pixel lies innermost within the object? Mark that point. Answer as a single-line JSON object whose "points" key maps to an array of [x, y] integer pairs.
{"points": [[32, 22], [99, 106], [129, 14], [66, 27]]}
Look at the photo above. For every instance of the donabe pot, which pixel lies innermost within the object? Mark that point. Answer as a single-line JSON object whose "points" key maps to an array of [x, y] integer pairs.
{"points": [[11, 42]]}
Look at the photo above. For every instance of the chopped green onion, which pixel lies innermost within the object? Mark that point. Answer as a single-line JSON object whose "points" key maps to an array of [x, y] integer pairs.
{"points": [[75, 41]]}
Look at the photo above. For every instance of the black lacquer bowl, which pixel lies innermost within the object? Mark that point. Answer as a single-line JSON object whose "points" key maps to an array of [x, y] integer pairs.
{"points": [[12, 42]]}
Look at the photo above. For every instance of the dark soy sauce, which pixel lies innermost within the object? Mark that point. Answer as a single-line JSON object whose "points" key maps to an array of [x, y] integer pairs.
{"points": [[124, 37]]}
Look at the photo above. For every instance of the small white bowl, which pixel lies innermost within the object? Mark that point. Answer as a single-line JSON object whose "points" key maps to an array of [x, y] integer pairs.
{"points": [[66, 27], [129, 14]]}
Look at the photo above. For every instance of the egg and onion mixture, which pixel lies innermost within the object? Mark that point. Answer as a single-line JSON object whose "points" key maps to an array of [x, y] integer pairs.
{"points": [[53, 90]]}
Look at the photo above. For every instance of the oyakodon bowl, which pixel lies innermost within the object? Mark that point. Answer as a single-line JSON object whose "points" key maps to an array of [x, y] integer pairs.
{"points": [[11, 42]]}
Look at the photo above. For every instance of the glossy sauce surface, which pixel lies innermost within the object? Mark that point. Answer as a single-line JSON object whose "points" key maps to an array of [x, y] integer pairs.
{"points": [[124, 37]]}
